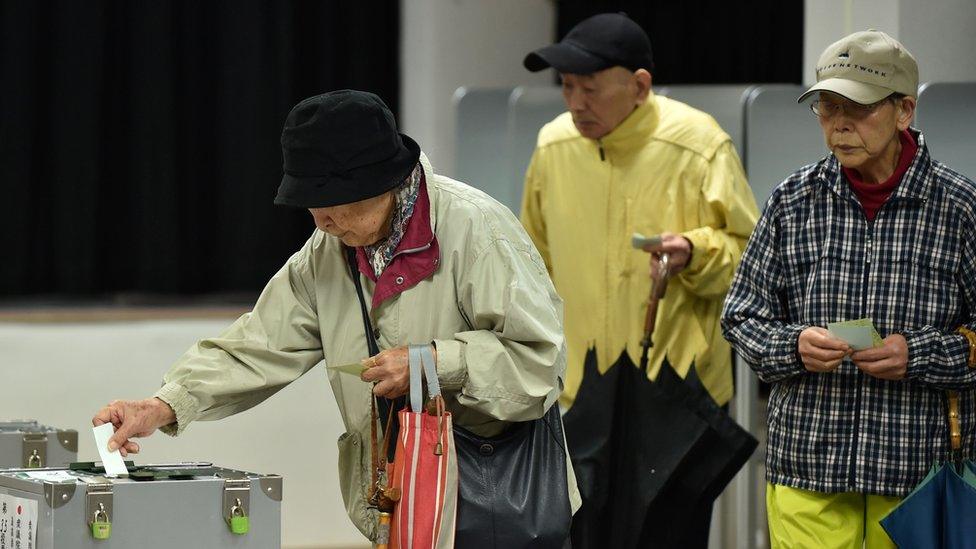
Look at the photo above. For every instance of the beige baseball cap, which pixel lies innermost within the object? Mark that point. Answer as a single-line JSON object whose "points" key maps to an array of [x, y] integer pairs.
{"points": [[866, 67]]}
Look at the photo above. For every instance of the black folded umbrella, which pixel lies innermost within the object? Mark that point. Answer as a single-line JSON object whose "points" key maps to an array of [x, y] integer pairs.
{"points": [[654, 434], [589, 428], [645, 451], [734, 442], [680, 514], [625, 439]]}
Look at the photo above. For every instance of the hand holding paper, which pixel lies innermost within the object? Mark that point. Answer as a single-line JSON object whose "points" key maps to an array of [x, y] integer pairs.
{"points": [[820, 351], [677, 247], [860, 334], [389, 372], [888, 361], [133, 418], [881, 358], [112, 461]]}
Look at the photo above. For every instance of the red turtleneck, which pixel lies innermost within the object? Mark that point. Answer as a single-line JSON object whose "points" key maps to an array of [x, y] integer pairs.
{"points": [[873, 195]]}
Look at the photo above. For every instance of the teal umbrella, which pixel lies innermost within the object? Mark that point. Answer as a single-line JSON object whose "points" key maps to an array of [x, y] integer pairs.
{"points": [[939, 511]]}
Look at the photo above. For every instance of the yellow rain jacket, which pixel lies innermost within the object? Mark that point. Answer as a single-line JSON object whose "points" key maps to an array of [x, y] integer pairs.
{"points": [[666, 167]]}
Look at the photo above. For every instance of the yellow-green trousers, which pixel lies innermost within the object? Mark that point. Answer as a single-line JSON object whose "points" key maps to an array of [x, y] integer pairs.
{"points": [[846, 520]]}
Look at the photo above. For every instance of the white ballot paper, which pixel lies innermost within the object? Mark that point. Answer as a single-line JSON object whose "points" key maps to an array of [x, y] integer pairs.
{"points": [[112, 461], [51, 476]]}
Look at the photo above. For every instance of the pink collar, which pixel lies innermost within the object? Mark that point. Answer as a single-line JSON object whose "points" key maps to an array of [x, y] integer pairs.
{"points": [[416, 257]]}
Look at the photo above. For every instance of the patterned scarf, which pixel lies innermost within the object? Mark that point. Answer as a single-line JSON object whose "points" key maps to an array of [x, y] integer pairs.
{"points": [[404, 197]]}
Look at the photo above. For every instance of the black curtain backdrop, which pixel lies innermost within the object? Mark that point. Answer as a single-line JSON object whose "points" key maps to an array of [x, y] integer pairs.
{"points": [[139, 150], [711, 41]]}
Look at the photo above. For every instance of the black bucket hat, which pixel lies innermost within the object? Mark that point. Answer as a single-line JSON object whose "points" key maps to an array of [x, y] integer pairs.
{"points": [[342, 147], [599, 42]]}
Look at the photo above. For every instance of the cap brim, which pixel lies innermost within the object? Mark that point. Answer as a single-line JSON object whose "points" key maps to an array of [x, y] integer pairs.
{"points": [[858, 92], [565, 57], [325, 191]]}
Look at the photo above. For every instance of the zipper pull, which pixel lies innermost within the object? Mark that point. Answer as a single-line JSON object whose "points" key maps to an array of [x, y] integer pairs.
{"points": [[599, 144]]}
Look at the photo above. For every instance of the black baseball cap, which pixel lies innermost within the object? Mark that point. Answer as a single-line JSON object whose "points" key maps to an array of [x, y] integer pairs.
{"points": [[599, 42]]}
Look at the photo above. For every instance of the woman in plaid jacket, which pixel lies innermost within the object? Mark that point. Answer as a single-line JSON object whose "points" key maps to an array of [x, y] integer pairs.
{"points": [[876, 229]]}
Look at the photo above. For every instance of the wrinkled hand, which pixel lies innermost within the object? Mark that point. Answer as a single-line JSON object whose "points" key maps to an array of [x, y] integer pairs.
{"points": [[390, 372], [133, 418], [889, 361], [820, 351], [678, 249]]}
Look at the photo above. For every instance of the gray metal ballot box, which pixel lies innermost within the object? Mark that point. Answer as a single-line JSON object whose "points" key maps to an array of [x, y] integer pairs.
{"points": [[186, 505], [28, 444]]}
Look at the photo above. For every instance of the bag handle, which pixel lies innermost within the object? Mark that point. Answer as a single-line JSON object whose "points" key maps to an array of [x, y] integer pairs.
{"points": [[374, 349], [422, 359], [416, 383], [422, 363], [430, 371], [387, 408]]}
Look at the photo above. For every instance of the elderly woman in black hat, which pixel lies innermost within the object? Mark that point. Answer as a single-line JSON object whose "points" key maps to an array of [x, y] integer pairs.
{"points": [[435, 262]]}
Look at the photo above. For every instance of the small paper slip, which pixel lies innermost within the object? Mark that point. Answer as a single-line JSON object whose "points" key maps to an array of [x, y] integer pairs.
{"points": [[112, 461], [51, 476], [639, 241], [859, 334], [355, 368]]}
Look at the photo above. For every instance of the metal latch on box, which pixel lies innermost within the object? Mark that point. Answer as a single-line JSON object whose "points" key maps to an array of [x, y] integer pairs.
{"points": [[34, 450], [237, 502], [99, 509]]}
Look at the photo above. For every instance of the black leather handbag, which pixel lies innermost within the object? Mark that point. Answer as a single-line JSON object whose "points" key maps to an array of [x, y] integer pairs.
{"points": [[513, 491], [512, 488]]}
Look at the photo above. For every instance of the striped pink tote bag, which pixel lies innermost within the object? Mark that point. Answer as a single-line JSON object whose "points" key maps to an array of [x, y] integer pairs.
{"points": [[425, 467]]}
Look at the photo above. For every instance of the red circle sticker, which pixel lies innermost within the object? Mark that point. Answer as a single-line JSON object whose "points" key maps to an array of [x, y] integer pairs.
{"points": [[19, 509]]}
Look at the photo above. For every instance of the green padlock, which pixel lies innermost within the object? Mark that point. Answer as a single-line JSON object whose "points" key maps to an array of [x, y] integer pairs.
{"points": [[101, 529], [239, 523]]}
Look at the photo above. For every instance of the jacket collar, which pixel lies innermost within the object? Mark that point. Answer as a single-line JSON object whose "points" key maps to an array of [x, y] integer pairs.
{"points": [[416, 257], [633, 131], [917, 184]]}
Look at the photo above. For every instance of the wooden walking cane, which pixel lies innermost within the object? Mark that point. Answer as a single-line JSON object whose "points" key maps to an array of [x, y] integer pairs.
{"points": [[659, 285]]}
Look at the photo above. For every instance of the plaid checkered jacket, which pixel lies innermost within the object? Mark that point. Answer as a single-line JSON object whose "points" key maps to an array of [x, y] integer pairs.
{"points": [[814, 258]]}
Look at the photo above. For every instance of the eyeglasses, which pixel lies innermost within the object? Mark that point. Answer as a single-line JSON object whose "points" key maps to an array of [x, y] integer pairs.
{"points": [[829, 109]]}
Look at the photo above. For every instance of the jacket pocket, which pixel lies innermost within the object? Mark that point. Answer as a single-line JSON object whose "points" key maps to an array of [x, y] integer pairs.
{"points": [[354, 481], [920, 291]]}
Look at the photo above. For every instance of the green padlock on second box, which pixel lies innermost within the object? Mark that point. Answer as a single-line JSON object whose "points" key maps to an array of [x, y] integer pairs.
{"points": [[239, 523], [100, 526], [101, 530]]}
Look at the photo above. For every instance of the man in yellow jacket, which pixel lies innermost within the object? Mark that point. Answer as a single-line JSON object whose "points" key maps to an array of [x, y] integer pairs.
{"points": [[623, 160]]}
